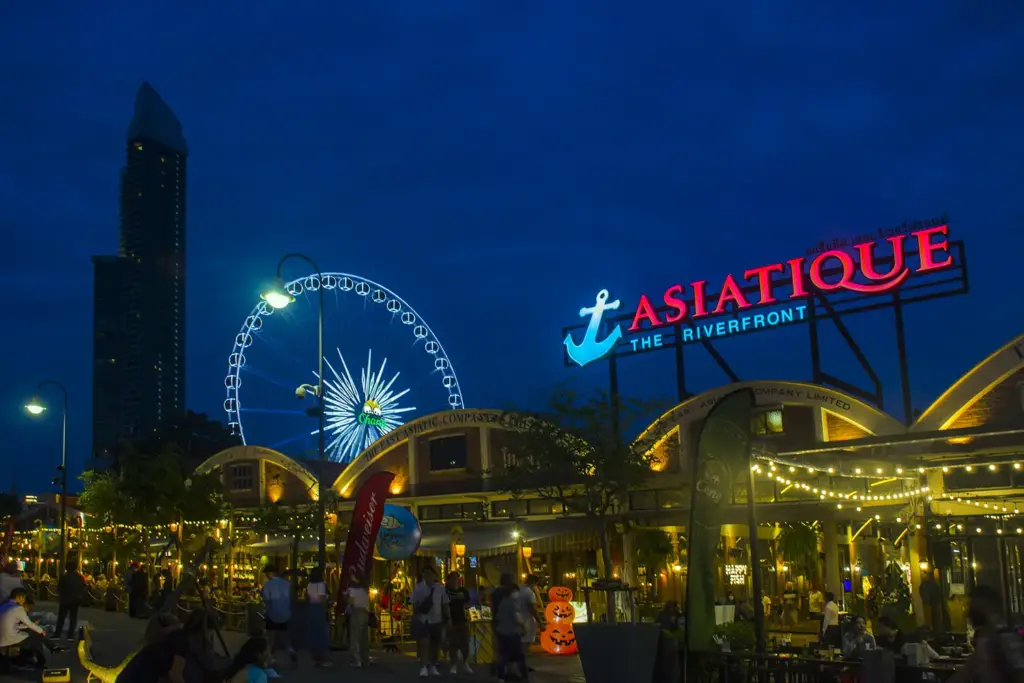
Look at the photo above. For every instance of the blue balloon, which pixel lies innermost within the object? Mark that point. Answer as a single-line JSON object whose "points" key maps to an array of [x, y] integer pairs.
{"points": [[399, 535]]}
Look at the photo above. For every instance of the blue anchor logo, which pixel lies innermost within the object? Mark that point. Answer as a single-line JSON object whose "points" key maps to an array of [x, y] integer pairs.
{"points": [[590, 349]]}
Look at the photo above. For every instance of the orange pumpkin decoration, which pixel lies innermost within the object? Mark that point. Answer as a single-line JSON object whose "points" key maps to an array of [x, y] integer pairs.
{"points": [[559, 594], [559, 613], [559, 639]]}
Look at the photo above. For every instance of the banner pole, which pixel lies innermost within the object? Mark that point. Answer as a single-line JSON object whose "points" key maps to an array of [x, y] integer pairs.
{"points": [[755, 560]]}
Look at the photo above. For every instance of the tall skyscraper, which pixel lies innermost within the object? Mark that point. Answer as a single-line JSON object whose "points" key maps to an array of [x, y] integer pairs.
{"points": [[139, 295]]}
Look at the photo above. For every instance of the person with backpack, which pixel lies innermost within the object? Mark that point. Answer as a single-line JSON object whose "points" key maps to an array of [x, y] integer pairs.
{"points": [[70, 594], [430, 606], [998, 655]]}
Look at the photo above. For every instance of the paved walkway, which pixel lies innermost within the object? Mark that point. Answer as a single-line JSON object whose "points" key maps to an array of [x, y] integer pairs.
{"points": [[115, 635]]}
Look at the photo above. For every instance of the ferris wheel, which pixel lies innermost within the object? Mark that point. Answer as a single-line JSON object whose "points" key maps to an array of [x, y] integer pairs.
{"points": [[383, 366]]}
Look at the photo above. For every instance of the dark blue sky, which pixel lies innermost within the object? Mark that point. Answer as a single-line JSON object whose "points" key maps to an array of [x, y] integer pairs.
{"points": [[497, 163]]}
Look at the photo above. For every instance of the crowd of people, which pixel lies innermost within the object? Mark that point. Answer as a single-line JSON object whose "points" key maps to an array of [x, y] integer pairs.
{"points": [[440, 616]]}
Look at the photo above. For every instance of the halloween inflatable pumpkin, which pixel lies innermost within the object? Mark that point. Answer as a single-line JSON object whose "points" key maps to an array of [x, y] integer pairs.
{"points": [[559, 639], [559, 613], [559, 594]]}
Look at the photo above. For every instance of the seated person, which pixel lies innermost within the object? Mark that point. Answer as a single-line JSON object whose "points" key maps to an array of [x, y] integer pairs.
{"points": [[857, 640], [668, 618], [889, 635], [17, 629]]}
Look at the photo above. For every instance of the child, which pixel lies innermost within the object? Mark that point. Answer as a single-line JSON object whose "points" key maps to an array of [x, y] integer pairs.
{"points": [[249, 665]]}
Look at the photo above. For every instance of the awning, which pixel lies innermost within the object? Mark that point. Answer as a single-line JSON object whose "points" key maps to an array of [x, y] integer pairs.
{"points": [[285, 544], [495, 538]]}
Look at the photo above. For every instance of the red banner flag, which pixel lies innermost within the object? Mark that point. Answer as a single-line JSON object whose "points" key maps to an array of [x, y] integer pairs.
{"points": [[362, 534]]}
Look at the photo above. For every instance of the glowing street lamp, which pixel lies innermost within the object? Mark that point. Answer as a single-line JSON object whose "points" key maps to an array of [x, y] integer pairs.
{"points": [[278, 297], [36, 408]]}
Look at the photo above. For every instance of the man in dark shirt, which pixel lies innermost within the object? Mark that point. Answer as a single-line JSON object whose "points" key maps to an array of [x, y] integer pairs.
{"points": [[458, 627], [70, 594], [888, 635]]}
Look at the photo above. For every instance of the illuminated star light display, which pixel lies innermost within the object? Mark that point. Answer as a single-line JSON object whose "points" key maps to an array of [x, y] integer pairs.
{"points": [[357, 415]]}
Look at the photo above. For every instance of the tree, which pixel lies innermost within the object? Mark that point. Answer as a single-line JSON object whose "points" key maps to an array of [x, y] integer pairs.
{"points": [[151, 488], [576, 452], [653, 549], [798, 544], [102, 498]]}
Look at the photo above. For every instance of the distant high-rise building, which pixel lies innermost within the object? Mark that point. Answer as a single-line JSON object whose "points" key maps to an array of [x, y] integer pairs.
{"points": [[139, 295]]}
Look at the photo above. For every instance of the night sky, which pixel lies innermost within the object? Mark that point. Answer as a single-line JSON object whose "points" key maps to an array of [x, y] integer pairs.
{"points": [[498, 163]]}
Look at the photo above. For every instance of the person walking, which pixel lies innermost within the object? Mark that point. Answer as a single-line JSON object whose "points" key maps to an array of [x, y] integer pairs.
{"points": [[998, 655], [790, 605], [508, 628], [458, 625], [430, 602], [319, 620], [138, 592], [816, 604], [528, 604], [357, 610], [277, 597], [831, 635], [70, 594]]}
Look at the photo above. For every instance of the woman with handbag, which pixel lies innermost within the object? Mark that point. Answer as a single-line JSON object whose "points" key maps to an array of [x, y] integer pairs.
{"points": [[430, 603], [319, 618]]}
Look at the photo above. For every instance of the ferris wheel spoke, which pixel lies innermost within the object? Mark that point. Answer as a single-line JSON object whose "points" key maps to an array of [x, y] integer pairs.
{"points": [[267, 377], [277, 446], [390, 398]]}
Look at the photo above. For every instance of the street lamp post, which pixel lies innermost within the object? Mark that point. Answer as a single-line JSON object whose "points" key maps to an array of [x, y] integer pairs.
{"points": [[36, 407], [279, 297]]}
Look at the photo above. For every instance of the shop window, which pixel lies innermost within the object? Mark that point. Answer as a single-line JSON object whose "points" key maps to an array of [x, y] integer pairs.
{"points": [[576, 505], [508, 508], [451, 512], [767, 423], [472, 510], [448, 453], [670, 499], [539, 506], [241, 477]]}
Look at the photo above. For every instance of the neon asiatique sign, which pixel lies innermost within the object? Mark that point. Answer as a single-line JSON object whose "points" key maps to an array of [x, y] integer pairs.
{"points": [[693, 307]]}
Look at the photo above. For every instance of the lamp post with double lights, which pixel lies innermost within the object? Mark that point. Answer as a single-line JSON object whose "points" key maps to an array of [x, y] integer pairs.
{"points": [[279, 297], [36, 407]]}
